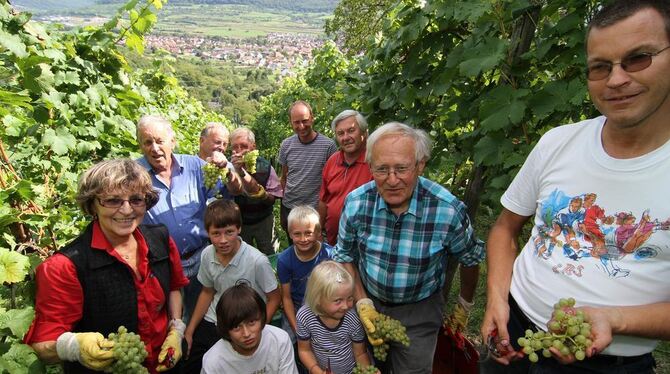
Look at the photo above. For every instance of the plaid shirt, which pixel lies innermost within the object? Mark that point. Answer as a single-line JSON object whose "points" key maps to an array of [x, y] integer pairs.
{"points": [[401, 259]]}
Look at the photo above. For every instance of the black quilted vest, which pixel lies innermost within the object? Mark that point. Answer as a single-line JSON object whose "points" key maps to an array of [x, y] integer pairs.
{"points": [[110, 298], [254, 210]]}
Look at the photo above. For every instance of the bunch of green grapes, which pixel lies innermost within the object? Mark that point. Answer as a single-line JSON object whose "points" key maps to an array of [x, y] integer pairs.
{"points": [[129, 353], [250, 161], [569, 332], [387, 329], [212, 174], [360, 369]]}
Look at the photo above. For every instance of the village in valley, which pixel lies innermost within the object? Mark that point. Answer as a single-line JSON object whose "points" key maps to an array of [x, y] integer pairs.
{"points": [[277, 52]]}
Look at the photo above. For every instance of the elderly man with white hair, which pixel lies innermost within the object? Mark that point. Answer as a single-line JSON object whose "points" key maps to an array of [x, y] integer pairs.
{"points": [[183, 195], [394, 237]]}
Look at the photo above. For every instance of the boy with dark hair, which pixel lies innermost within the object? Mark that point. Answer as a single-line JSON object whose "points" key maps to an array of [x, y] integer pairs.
{"points": [[227, 260], [247, 344]]}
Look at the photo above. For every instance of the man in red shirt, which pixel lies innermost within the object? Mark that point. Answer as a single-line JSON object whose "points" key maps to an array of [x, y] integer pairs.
{"points": [[344, 171]]}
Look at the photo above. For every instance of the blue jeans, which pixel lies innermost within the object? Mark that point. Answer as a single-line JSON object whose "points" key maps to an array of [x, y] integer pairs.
{"points": [[190, 294]]}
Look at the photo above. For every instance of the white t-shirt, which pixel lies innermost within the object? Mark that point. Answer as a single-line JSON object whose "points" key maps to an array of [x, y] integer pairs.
{"points": [[607, 249], [274, 355], [248, 263]]}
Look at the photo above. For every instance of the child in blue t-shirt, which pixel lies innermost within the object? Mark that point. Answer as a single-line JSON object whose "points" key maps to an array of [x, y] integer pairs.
{"points": [[296, 262]]}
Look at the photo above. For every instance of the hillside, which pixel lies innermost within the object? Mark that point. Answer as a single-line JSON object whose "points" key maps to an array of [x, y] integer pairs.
{"points": [[319, 6], [53, 5]]}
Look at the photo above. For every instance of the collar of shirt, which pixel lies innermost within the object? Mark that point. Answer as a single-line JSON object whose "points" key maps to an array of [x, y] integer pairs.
{"points": [[413, 208], [359, 160], [100, 242]]}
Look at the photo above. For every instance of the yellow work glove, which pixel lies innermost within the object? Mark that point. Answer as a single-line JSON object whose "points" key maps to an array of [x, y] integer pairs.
{"points": [[367, 314], [458, 320], [171, 348], [91, 349]]}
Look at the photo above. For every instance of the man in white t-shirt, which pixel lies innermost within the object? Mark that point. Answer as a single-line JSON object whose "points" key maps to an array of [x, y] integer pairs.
{"points": [[597, 193]]}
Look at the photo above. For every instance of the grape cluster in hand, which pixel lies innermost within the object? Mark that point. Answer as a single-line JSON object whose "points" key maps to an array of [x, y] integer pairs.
{"points": [[249, 159], [129, 353], [212, 174], [569, 333], [387, 329], [360, 369]]}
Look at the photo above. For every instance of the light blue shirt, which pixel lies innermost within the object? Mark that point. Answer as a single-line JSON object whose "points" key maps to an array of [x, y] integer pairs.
{"points": [[181, 205]]}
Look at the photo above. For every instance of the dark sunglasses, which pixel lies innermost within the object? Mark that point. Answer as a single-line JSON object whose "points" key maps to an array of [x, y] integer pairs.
{"points": [[632, 63]]}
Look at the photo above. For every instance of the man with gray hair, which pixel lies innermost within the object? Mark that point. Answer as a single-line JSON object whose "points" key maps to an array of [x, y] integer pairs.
{"points": [[214, 137], [344, 171], [394, 236], [183, 196], [261, 187]]}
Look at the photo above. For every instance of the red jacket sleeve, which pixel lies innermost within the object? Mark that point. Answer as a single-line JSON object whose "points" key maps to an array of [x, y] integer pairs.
{"points": [[59, 300]]}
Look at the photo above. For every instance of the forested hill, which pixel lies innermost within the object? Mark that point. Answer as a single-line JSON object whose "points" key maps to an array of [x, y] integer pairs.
{"points": [[325, 6]]}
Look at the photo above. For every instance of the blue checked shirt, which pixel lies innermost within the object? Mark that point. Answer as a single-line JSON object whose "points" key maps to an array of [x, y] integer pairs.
{"points": [[402, 259]]}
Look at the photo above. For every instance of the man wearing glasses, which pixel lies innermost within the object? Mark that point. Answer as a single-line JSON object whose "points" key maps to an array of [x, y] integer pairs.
{"points": [[394, 236], [623, 158]]}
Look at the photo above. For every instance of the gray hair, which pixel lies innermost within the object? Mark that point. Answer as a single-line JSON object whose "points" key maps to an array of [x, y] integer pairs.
{"points": [[112, 176], [360, 120], [150, 119], [243, 131], [422, 142], [209, 126]]}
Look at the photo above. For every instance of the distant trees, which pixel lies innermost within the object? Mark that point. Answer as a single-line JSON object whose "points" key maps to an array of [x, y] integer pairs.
{"points": [[485, 78], [321, 6]]}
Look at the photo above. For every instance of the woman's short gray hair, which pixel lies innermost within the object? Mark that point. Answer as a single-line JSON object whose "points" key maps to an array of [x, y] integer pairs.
{"points": [[422, 142], [112, 177], [360, 120]]}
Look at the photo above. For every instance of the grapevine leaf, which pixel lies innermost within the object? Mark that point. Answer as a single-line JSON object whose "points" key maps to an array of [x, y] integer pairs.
{"points": [[13, 266], [70, 77], [485, 56], [158, 4], [470, 11], [135, 42], [8, 216], [19, 358], [502, 106], [19, 320], [15, 98], [131, 4], [60, 141], [13, 43], [111, 24]]}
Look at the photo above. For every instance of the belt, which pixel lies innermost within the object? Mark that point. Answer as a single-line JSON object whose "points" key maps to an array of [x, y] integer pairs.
{"points": [[391, 304]]}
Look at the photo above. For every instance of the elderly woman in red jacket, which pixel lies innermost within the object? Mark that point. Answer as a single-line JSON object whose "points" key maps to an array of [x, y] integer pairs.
{"points": [[116, 273]]}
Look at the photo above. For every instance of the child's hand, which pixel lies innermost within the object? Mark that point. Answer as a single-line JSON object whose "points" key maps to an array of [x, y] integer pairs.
{"points": [[188, 336]]}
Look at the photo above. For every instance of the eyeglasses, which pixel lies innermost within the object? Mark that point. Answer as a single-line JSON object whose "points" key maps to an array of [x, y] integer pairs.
{"points": [[632, 63], [115, 202], [400, 171]]}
